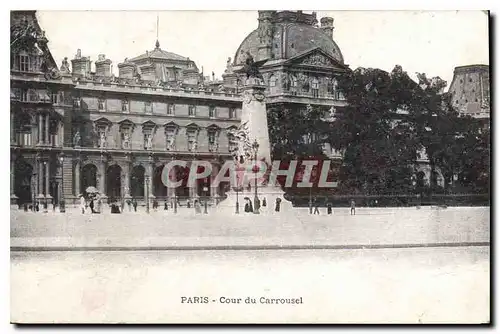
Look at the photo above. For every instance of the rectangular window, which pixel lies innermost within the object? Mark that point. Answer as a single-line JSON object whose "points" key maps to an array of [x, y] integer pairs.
{"points": [[24, 95], [233, 144], [170, 109], [101, 104], [211, 112], [211, 138], [315, 92], [76, 102], [34, 64], [24, 139], [24, 63], [148, 105], [125, 107], [54, 97], [232, 113], [192, 111]]}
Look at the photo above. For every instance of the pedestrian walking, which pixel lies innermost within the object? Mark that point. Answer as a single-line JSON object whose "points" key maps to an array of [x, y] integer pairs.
{"points": [[353, 207], [165, 206], [329, 208], [91, 205], [316, 208], [277, 206], [82, 204], [134, 203]]}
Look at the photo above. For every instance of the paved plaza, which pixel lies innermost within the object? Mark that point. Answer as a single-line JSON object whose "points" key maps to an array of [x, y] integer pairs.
{"points": [[370, 227]]}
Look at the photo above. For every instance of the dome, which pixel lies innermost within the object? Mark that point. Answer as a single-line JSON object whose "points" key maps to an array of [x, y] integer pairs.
{"points": [[290, 39]]}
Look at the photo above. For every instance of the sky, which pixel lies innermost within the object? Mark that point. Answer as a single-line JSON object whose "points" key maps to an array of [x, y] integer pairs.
{"points": [[432, 42]]}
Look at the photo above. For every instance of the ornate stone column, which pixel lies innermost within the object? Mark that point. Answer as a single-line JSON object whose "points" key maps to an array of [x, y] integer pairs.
{"points": [[13, 197], [40, 129], [47, 182], [40, 179], [102, 179], [173, 177], [12, 129], [77, 176], [149, 173], [193, 189], [126, 179], [214, 190], [47, 138]]}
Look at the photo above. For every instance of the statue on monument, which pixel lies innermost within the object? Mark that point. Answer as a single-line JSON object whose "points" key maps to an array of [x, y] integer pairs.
{"points": [[251, 68]]}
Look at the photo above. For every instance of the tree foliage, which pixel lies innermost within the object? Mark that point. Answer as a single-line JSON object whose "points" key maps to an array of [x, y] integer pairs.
{"points": [[388, 121]]}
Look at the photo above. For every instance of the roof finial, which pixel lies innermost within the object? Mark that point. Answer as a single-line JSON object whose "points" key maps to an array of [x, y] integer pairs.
{"points": [[157, 25]]}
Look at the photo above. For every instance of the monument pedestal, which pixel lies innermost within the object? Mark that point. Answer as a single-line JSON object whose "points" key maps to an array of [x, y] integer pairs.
{"points": [[271, 194]]}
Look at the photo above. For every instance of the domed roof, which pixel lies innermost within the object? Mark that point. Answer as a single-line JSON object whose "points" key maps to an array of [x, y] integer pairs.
{"points": [[289, 40], [158, 53]]}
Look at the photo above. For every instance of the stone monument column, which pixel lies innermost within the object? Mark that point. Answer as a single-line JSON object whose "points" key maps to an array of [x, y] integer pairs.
{"points": [[254, 128], [254, 115]]}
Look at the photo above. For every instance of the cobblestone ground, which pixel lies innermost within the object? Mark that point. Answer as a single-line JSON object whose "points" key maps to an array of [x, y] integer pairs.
{"points": [[370, 226], [412, 285]]}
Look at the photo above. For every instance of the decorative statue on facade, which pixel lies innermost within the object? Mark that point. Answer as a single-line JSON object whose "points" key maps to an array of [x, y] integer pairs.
{"points": [[193, 145], [285, 81], [149, 142], [213, 146], [229, 66], [102, 139], [76, 139], [171, 143], [65, 66], [126, 140]]}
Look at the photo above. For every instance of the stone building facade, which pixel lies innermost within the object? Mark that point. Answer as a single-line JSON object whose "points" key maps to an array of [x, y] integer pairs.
{"points": [[470, 90], [72, 128]]}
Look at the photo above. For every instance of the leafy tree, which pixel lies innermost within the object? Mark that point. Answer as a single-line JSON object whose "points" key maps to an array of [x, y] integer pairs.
{"points": [[374, 131]]}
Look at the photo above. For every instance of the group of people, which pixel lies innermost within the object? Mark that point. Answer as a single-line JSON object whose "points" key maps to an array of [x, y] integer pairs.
{"points": [[94, 203], [329, 209]]}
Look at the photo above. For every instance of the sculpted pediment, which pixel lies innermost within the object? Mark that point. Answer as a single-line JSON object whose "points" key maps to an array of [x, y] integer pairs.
{"points": [[316, 58]]}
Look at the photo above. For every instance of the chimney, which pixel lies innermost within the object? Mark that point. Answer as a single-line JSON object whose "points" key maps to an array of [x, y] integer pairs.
{"points": [[103, 66], [126, 69], [327, 25], [80, 65]]}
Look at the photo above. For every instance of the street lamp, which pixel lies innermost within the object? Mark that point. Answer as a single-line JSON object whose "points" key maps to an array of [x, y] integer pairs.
{"points": [[62, 207], [205, 190], [256, 204], [147, 193]]}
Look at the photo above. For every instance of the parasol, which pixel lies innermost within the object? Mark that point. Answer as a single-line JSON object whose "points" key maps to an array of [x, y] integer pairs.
{"points": [[91, 190]]}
